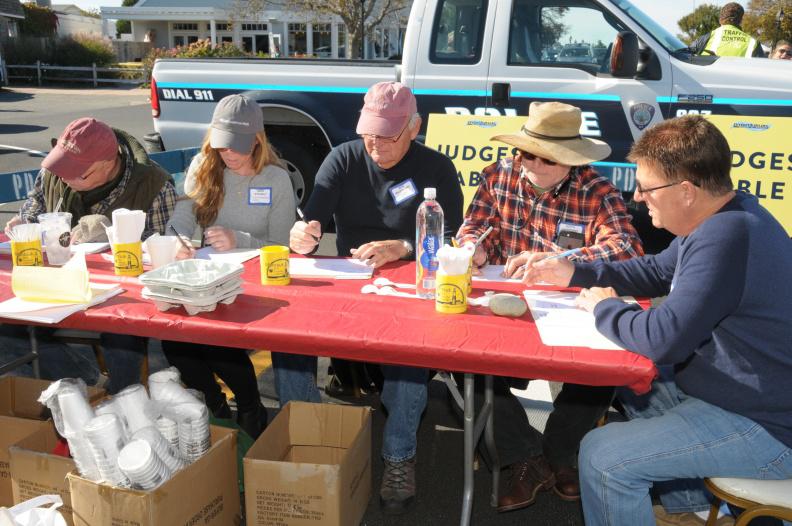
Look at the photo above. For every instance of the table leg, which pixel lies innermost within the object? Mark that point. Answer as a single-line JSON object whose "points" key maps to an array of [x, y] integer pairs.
{"points": [[470, 447], [489, 438], [34, 355]]}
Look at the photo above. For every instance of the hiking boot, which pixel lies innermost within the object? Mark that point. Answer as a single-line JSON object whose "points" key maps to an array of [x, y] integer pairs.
{"points": [[567, 484], [528, 478], [397, 492]]}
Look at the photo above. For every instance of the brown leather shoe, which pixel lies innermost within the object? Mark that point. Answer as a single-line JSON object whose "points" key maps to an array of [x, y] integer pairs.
{"points": [[527, 479], [567, 483]]}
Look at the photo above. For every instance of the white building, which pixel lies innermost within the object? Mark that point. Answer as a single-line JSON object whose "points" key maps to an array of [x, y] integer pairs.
{"points": [[72, 21], [171, 23]]}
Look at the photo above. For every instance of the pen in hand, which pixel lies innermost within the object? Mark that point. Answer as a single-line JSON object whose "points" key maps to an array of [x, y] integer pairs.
{"points": [[181, 240], [302, 218]]}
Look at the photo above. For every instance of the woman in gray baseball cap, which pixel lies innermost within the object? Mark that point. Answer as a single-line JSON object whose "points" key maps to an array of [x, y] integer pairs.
{"points": [[240, 196]]}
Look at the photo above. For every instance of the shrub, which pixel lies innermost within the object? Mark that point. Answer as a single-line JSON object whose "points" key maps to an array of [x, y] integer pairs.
{"points": [[27, 50], [200, 49], [83, 50]]}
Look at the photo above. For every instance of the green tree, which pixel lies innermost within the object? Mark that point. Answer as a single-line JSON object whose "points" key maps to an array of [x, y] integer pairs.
{"points": [[38, 21], [762, 20], [553, 27], [124, 26], [700, 22]]}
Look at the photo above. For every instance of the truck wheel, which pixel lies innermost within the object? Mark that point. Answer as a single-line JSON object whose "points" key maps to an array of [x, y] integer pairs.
{"points": [[301, 165]]}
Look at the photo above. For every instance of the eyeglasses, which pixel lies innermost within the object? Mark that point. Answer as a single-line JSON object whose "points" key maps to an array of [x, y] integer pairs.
{"points": [[532, 157], [641, 190], [783, 51], [373, 137]]}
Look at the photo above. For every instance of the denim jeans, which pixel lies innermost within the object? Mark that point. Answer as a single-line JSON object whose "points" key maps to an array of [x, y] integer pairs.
{"points": [[672, 437], [404, 395], [123, 356]]}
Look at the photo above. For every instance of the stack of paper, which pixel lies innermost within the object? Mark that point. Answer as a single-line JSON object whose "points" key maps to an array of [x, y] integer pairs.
{"points": [[561, 323], [42, 312], [333, 268], [85, 248]]}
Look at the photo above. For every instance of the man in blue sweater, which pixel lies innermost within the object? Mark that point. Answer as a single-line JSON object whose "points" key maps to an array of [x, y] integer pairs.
{"points": [[721, 406]]}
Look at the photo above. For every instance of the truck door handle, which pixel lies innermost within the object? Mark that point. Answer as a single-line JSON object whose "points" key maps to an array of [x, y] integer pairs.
{"points": [[501, 92]]}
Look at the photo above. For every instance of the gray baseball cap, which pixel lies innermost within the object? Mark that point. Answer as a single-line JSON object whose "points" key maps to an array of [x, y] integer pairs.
{"points": [[235, 122]]}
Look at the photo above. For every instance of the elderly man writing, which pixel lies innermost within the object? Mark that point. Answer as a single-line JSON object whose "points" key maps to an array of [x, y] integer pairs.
{"points": [[544, 200], [93, 170], [722, 405], [373, 187]]}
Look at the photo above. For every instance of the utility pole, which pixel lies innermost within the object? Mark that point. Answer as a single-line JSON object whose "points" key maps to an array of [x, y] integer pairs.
{"points": [[362, 29]]}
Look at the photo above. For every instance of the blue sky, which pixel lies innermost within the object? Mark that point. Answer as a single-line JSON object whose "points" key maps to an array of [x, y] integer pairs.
{"points": [[666, 12]]}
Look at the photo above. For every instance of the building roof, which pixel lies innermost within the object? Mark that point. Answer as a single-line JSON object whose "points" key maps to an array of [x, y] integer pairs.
{"points": [[220, 4], [11, 8]]}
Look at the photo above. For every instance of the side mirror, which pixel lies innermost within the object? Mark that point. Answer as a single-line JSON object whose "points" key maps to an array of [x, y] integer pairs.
{"points": [[624, 55]]}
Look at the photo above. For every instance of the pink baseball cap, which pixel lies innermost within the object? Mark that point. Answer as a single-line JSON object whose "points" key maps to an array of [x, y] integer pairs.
{"points": [[83, 142], [387, 107]]}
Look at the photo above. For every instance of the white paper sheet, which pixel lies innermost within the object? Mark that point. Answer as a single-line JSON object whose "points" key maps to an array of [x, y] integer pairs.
{"points": [[90, 248], [237, 255], [493, 273], [562, 324], [19, 309], [346, 268]]}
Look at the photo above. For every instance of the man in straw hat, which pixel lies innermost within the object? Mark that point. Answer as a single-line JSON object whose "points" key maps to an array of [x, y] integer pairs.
{"points": [[543, 200], [721, 406]]}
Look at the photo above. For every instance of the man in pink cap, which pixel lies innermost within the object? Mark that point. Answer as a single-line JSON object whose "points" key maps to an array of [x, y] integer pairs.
{"points": [[372, 187], [93, 170]]}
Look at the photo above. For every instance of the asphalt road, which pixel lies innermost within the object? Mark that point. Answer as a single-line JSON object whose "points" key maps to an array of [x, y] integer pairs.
{"points": [[31, 117]]}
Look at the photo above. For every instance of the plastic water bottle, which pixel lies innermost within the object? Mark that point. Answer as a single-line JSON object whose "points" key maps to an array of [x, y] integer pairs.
{"points": [[428, 240]]}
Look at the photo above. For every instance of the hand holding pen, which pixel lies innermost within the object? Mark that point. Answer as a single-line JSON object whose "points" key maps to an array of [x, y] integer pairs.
{"points": [[304, 235], [516, 266], [187, 251]]}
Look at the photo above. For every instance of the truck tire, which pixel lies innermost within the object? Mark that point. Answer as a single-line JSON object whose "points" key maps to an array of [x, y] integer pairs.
{"points": [[301, 164]]}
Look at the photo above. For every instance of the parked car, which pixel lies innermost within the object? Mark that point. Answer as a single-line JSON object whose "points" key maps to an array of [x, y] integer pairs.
{"points": [[576, 53]]}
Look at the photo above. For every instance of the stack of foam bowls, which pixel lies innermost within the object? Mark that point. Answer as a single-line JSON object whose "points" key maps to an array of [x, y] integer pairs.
{"points": [[105, 437], [141, 464], [166, 426], [194, 438], [133, 403], [196, 284], [161, 447]]}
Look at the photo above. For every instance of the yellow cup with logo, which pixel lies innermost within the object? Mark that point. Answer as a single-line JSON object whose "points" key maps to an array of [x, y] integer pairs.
{"points": [[27, 253], [451, 293], [274, 262], [128, 258]]}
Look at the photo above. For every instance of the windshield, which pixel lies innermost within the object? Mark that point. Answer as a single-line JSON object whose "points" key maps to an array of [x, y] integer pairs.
{"points": [[661, 34]]}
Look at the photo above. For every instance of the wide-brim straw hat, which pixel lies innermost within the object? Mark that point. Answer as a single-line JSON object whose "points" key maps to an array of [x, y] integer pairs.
{"points": [[552, 132]]}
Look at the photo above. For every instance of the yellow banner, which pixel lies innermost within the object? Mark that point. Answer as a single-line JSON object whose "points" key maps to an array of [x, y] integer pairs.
{"points": [[465, 140], [761, 160]]}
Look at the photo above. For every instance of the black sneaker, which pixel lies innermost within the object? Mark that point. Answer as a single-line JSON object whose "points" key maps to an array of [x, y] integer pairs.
{"points": [[397, 492], [254, 421]]}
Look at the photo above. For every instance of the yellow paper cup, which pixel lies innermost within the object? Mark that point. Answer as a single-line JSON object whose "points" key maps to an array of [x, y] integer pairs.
{"points": [[274, 262], [451, 293], [128, 258], [27, 253]]}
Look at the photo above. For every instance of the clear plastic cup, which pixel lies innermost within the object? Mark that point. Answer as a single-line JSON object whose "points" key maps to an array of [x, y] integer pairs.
{"points": [[56, 228]]}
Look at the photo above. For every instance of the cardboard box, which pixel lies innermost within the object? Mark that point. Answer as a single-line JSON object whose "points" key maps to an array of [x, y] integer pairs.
{"points": [[311, 466], [20, 416], [205, 492], [36, 471]]}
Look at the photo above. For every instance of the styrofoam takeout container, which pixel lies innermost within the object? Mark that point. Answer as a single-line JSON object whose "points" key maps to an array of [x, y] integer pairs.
{"points": [[192, 274]]}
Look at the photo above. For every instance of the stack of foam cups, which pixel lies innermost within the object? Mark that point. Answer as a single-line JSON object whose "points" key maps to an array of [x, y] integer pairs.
{"points": [[76, 413], [194, 438], [133, 403], [161, 447], [109, 407], [166, 426], [169, 430], [105, 437], [142, 465]]}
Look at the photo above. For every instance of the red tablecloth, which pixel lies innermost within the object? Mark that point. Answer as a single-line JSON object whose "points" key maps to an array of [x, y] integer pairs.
{"points": [[332, 318]]}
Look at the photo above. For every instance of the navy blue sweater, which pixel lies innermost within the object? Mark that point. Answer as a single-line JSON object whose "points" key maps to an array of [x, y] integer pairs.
{"points": [[357, 193], [726, 324]]}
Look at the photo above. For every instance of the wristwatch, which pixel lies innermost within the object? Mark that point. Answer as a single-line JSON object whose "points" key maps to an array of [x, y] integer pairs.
{"points": [[408, 247]]}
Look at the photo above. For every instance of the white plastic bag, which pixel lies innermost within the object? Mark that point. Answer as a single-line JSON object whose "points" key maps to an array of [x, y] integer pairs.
{"points": [[31, 512]]}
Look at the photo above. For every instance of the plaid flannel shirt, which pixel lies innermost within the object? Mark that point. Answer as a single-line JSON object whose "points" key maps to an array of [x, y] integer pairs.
{"points": [[523, 220], [156, 216]]}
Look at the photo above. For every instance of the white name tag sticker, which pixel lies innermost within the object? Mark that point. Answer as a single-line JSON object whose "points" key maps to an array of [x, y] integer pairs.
{"points": [[403, 191], [260, 195]]}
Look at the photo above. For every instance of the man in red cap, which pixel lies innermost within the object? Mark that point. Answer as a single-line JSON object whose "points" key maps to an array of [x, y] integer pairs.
{"points": [[373, 187], [91, 171]]}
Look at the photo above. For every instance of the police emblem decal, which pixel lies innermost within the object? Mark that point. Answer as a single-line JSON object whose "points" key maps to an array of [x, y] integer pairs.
{"points": [[642, 114]]}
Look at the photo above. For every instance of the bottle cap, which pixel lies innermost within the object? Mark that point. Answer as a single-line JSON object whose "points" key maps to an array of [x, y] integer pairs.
{"points": [[430, 193]]}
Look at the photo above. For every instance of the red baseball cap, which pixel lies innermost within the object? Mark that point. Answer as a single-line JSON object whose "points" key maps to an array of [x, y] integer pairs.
{"points": [[83, 142], [387, 107]]}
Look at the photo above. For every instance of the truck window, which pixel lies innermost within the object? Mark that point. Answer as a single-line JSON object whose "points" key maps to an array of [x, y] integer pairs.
{"points": [[562, 33], [458, 31]]}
